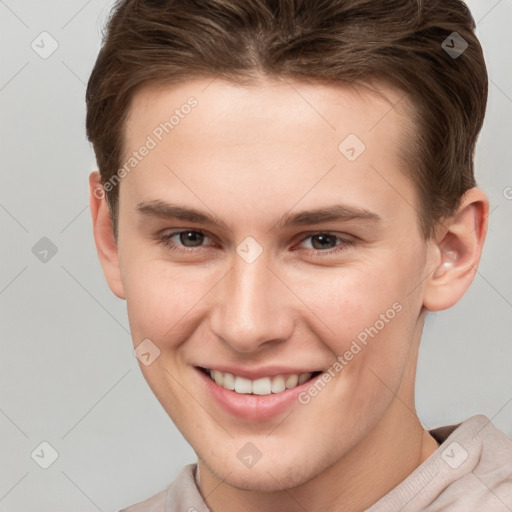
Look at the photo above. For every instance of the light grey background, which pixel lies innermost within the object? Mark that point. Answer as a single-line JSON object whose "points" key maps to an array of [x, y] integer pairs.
{"points": [[67, 371]]}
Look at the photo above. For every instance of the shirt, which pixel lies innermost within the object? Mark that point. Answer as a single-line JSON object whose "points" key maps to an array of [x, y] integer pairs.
{"points": [[471, 471]]}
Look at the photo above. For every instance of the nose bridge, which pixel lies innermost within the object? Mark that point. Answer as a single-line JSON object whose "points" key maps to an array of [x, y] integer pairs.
{"points": [[250, 310]]}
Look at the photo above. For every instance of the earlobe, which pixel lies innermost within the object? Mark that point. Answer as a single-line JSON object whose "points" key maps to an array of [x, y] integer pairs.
{"points": [[457, 250], [104, 236]]}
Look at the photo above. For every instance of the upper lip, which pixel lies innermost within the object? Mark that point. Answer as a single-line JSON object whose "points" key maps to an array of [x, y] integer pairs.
{"points": [[258, 373]]}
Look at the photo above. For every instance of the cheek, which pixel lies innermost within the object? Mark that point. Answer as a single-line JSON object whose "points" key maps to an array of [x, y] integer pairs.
{"points": [[162, 300], [346, 299], [366, 312]]}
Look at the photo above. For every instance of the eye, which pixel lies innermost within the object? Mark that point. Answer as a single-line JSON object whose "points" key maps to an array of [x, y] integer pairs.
{"points": [[327, 242], [189, 239]]}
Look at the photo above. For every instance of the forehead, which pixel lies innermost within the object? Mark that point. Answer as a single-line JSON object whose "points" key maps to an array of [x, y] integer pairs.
{"points": [[273, 136], [318, 108]]}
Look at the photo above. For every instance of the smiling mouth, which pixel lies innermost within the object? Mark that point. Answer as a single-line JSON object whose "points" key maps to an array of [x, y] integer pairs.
{"points": [[262, 386]]}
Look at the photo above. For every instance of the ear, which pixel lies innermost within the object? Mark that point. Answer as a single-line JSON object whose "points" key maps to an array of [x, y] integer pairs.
{"points": [[104, 235], [457, 250]]}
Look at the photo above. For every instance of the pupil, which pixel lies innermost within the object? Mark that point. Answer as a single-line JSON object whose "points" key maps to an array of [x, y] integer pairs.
{"points": [[325, 241], [191, 238]]}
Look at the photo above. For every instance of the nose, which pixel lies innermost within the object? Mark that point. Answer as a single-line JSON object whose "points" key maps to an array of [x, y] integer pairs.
{"points": [[253, 308]]}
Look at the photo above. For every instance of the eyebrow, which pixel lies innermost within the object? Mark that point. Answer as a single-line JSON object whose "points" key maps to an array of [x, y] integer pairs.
{"points": [[332, 213], [161, 209]]}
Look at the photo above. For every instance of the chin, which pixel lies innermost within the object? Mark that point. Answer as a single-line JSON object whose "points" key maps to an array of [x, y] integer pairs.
{"points": [[262, 477]]}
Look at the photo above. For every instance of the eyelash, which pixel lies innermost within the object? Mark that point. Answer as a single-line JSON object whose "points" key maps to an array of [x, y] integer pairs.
{"points": [[166, 241]]}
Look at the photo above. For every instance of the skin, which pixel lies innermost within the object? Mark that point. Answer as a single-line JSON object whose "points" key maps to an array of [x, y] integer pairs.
{"points": [[251, 155]]}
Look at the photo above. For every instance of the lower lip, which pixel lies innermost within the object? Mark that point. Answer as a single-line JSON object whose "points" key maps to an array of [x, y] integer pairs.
{"points": [[253, 407]]}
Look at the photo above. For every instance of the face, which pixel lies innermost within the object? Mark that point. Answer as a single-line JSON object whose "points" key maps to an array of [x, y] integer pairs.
{"points": [[269, 233]]}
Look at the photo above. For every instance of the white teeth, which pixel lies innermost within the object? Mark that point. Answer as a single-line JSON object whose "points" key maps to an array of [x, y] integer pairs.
{"points": [[243, 385], [263, 386], [229, 381], [303, 377], [218, 377], [291, 381], [278, 384]]}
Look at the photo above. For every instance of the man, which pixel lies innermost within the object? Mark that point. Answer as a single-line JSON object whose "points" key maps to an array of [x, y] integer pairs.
{"points": [[285, 190]]}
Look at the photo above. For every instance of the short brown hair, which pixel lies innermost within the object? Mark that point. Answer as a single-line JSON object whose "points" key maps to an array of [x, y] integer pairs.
{"points": [[403, 42]]}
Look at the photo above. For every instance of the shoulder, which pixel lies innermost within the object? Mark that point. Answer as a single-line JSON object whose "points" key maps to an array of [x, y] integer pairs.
{"points": [[156, 503], [181, 491], [474, 468], [479, 436], [471, 470]]}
